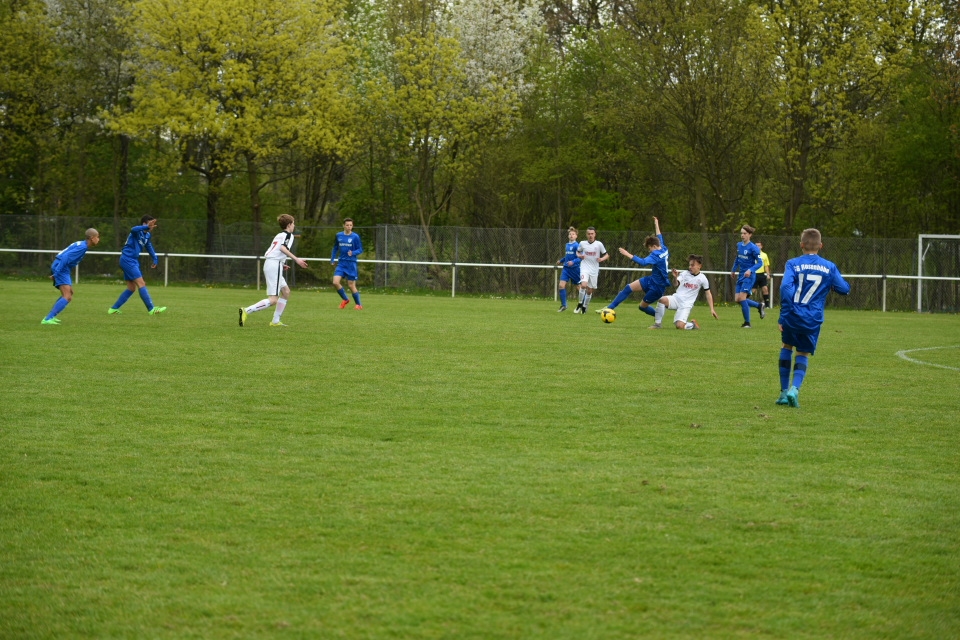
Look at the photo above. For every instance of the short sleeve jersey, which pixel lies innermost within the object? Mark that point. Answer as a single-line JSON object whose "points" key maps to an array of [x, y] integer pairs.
{"points": [[282, 239], [592, 252], [70, 256], [803, 292], [688, 288]]}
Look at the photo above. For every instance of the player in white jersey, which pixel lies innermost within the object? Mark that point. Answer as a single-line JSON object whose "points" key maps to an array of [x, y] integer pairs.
{"points": [[273, 266], [689, 284], [591, 253]]}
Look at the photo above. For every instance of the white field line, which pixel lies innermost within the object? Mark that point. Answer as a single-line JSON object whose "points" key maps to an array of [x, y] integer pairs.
{"points": [[903, 354]]}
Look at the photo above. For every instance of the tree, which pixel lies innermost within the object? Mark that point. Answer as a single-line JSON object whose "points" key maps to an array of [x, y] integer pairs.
{"points": [[235, 81]]}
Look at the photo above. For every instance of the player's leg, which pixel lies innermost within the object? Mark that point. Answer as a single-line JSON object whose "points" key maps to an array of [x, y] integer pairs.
{"points": [[562, 288], [337, 275], [662, 305], [651, 294], [591, 287], [131, 287], [66, 295], [582, 292], [625, 293], [806, 345], [355, 293], [786, 358], [680, 317], [145, 297], [281, 303]]}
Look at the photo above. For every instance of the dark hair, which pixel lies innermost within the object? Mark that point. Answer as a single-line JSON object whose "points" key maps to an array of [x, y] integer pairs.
{"points": [[147, 218], [346, 220], [810, 239], [284, 220], [748, 228], [591, 228], [695, 258], [651, 241]]}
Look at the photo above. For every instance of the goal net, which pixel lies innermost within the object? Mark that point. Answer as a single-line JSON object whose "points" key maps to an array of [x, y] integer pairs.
{"points": [[938, 265]]}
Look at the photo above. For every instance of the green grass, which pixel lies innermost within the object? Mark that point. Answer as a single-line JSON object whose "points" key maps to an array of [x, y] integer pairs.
{"points": [[468, 468]]}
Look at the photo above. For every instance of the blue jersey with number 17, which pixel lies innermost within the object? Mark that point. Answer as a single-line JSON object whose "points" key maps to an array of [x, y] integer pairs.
{"points": [[806, 282]]}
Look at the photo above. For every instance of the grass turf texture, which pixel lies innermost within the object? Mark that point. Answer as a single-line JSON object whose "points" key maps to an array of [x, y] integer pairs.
{"points": [[436, 467]]}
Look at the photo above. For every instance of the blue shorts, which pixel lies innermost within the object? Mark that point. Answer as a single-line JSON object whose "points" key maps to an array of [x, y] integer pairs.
{"points": [[348, 271], [803, 341], [570, 274], [744, 284], [652, 291], [61, 277], [131, 269]]}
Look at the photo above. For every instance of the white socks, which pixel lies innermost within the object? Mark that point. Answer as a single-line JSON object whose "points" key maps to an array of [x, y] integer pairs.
{"points": [[281, 305], [260, 306], [688, 326], [658, 312]]}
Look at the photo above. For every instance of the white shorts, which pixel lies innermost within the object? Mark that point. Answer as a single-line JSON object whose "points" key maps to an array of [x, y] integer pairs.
{"points": [[273, 276], [589, 278], [682, 313]]}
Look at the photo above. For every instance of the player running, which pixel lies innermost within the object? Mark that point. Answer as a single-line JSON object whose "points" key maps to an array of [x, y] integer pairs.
{"points": [[346, 248], [747, 262], [591, 253], [274, 264], [806, 282], [571, 266]]}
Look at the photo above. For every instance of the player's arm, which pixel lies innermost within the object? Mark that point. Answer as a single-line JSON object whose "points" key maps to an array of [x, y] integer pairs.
{"points": [[333, 254], [604, 257], [656, 228], [153, 253], [301, 262], [757, 264], [709, 296], [788, 286], [357, 246], [839, 285]]}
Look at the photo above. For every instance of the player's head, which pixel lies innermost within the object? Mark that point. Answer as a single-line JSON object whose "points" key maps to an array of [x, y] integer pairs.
{"points": [[572, 233], [348, 224], [746, 231], [285, 220], [694, 263], [811, 241], [92, 236], [759, 245], [651, 243], [591, 233]]}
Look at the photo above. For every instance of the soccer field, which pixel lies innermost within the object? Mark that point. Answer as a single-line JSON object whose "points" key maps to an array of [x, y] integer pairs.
{"points": [[472, 468]]}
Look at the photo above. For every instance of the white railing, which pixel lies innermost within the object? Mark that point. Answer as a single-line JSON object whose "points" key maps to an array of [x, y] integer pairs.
{"points": [[454, 265]]}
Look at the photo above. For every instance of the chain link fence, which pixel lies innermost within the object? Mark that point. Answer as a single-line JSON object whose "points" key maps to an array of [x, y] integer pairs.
{"points": [[482, 257]]}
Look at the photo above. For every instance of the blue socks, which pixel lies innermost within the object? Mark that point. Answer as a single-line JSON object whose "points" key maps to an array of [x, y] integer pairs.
{"points": [[746, 311], [123, 298], [799, 370], [58, 306], [356, 297], [145, 296], [563, 297], [785, 357], [623, 295], [650, 311], [752, 303], [343, 294]]}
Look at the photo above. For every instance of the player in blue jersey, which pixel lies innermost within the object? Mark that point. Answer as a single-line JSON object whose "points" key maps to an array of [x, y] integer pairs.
{"points": [[571, 266], [806, 282], [60, 272], [346, 248], [137, 241], [654, 285], [744, 271]]}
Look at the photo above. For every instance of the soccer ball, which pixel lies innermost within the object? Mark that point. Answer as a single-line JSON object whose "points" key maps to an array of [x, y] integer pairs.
{"points": [[608, 315]]}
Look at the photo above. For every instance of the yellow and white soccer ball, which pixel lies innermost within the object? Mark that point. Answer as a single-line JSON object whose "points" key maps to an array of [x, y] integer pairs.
{"points": [[608, 315]]}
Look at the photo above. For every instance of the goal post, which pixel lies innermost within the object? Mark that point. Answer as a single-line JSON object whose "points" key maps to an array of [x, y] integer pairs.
{"points": [[924, 243]]}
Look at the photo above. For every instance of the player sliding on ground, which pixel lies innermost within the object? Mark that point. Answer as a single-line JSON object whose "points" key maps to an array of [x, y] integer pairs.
{"points": [[654, 285], [278, 293], [689, 284], [806, 282]]}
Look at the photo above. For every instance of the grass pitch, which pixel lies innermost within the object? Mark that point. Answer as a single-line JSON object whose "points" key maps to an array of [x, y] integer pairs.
{"points": [[469, 468]]}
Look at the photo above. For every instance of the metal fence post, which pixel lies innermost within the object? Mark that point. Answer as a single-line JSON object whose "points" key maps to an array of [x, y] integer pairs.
{"points": [[76, 273], [453, 289], [166, 268], [556, 282], [258, 273], [883, 305]]}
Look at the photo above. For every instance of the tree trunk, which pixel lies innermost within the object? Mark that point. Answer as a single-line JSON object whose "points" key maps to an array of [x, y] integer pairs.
{"points": [[214, 184], [121, 188], [253, 183]]}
